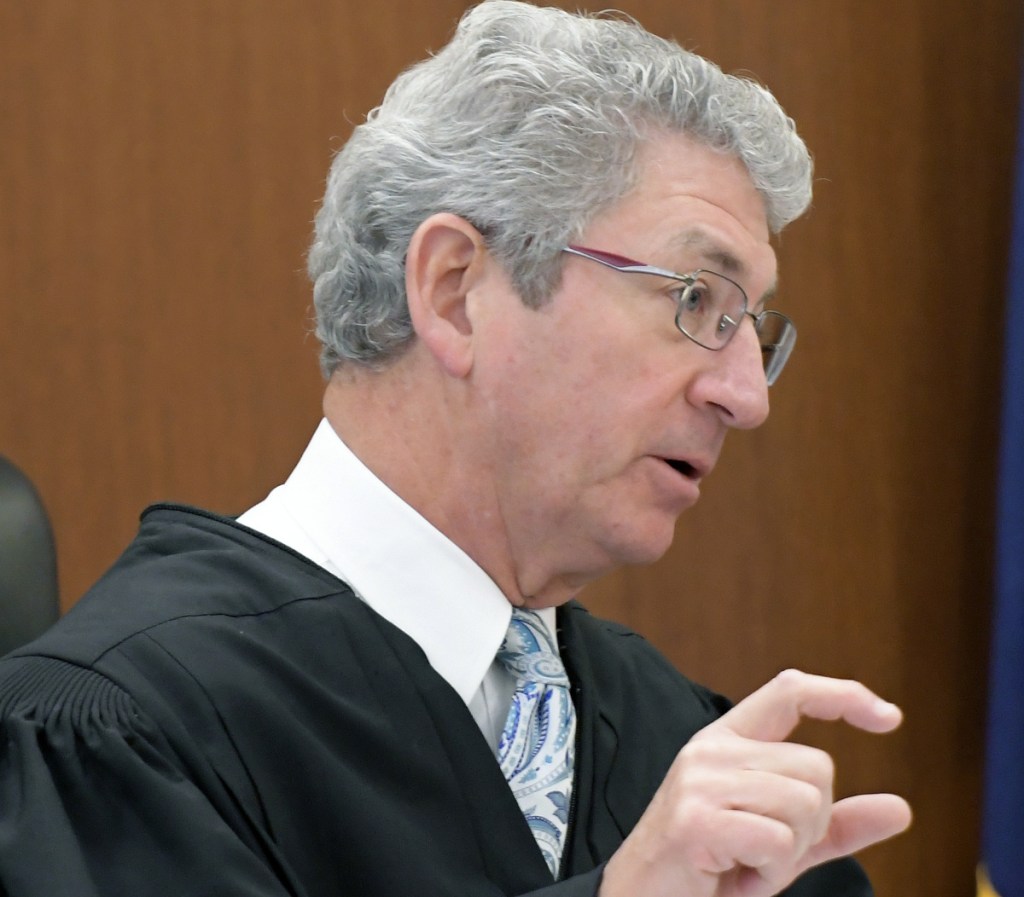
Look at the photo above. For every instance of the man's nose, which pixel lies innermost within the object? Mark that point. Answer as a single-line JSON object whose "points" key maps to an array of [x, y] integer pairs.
{"points": [[733, 381]]}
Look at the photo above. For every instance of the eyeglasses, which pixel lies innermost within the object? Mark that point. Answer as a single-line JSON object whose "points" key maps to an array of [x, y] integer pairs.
{"points": [[710, 308]]}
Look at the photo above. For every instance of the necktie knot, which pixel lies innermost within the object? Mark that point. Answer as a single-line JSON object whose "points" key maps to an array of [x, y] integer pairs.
{"points": [[529, 652]]}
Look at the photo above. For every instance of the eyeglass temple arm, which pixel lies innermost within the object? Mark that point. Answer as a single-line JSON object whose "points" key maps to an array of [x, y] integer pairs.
{"points": [[619, 262]]}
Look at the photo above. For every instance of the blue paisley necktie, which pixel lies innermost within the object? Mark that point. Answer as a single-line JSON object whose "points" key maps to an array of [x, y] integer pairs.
{"points": [[536, 747]]}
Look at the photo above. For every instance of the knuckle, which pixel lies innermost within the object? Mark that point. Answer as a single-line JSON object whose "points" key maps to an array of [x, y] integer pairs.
{"points": [[821, 768], [809, 800], [701, 749], [690, 819], [779, 844], [706, 750], [828, 766], [791, 680]]}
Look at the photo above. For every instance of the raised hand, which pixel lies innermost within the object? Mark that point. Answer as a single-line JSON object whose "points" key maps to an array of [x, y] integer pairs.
{"points": [[741, 812]]}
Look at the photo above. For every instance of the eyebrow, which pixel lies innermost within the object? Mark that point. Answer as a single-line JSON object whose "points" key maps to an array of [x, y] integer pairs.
{"points": [[714, 252], [695, 238]]}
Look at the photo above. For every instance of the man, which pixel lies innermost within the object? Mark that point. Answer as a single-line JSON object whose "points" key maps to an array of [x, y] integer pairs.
{"points": [[357, 686]]}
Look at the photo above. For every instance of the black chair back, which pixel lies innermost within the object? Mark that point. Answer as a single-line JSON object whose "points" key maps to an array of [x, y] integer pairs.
{"points": [[28, 561]]}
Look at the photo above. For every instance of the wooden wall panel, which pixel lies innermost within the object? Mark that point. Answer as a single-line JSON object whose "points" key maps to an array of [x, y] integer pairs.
{"points": [[160, 163]]}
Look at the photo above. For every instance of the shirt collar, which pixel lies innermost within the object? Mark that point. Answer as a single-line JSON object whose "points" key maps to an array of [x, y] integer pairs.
{"points": [[395, 560]]}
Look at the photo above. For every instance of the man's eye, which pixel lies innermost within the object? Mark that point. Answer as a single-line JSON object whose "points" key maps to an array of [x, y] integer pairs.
{"points": [[694, 299]]}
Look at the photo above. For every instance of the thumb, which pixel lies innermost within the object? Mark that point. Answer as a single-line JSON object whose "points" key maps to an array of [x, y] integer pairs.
{"points": [[858, 822]]}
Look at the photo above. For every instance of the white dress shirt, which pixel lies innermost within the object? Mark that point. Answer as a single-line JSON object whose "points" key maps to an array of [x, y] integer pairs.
{"points": [[333, 510]]}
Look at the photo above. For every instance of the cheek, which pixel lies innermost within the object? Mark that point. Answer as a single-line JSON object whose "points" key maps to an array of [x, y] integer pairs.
{"points": [[579, 393], [551, 426]]}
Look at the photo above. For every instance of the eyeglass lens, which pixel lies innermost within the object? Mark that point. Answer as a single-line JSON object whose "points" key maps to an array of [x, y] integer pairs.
{"points": [[710, 309], [777, 336]]}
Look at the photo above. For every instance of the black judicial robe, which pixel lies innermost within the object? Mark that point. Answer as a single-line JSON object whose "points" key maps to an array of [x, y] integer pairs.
{"points": [[220, 716]]}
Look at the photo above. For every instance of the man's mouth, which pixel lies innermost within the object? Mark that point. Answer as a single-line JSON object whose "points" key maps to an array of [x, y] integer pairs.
{"points": [[683, 467]]}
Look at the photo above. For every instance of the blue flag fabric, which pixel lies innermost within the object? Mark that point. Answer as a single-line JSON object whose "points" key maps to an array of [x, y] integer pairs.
{"points": [[1003, 824]]}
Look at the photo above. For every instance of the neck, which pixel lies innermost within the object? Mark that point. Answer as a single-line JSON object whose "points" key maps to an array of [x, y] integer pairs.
{"points": [[413, 431]]}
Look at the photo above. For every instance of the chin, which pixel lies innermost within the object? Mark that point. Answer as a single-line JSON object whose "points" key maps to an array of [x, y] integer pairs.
{"points": [[641, 548]]}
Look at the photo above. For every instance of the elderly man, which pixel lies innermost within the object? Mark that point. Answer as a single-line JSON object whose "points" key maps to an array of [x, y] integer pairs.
{"points": [[541, 269]]}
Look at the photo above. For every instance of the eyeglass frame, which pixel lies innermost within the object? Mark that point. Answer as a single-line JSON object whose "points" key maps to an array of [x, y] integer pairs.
{"points": [[775, 355]]}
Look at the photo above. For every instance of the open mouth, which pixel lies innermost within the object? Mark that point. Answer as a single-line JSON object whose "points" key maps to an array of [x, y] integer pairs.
{"points": [[683, 467]]}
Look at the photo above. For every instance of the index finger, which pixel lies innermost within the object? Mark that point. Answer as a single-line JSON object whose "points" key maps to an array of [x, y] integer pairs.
{"points": [[773, 711]]}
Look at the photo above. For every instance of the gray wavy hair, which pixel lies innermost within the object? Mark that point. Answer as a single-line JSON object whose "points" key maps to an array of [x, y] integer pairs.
{"points": [[526, 124]]}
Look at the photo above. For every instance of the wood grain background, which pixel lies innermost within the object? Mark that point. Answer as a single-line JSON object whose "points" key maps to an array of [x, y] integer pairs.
{"points": [[160, 164]]}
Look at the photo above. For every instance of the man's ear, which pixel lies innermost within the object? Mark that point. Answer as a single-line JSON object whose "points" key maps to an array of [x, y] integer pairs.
{"points": [[443, 262]]}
